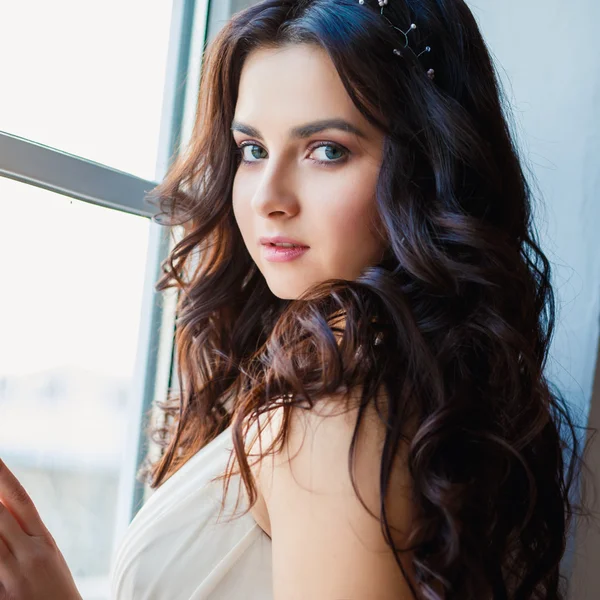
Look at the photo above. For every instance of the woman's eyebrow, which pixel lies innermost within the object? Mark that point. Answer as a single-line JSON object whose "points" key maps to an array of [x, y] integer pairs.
{"points": [[303, 131]]}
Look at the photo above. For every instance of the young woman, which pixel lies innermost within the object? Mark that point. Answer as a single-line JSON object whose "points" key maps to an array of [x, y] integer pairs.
{"points": [[375, 394]]}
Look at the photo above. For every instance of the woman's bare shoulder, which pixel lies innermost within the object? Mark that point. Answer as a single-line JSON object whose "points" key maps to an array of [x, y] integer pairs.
{"points": [[314, 512]]}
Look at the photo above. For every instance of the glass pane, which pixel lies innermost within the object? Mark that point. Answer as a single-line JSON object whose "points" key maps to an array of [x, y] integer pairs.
{"points": [[87, 77], [71, 291]]}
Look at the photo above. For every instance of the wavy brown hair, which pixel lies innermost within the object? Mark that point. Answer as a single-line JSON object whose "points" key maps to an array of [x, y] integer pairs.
{"points": [[454, 324]]}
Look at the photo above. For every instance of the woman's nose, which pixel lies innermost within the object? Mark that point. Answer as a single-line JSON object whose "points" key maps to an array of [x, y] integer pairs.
{"points": [[275, 191]]}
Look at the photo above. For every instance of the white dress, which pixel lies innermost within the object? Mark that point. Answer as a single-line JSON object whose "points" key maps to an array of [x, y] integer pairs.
{"points": [[175, 548]]}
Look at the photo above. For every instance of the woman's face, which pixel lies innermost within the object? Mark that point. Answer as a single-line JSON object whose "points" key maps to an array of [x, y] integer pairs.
{"points": [[283, 189]]}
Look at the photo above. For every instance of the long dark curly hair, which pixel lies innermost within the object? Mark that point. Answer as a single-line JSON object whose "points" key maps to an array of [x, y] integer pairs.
{"points": [[454, 324]]}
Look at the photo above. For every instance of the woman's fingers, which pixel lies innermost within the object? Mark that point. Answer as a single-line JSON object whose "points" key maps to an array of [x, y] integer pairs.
{"points": [[8, 563], [31, 565], [17, 501], [10, 530]]}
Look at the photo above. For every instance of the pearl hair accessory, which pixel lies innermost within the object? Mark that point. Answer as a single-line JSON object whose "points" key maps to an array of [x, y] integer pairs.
{"points": [[397, 51]]}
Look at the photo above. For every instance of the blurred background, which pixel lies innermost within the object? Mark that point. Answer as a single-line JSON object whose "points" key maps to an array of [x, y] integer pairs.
{"points": [[97, 97]]}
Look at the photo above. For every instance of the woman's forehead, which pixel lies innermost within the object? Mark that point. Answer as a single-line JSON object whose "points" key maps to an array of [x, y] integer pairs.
{"points": [[294, 84]]}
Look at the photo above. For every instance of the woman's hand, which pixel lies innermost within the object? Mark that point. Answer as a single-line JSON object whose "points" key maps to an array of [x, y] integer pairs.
{"points": [[31, 565]]}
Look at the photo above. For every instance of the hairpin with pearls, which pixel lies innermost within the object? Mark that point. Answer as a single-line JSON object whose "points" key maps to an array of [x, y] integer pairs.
{"points": [[397, 51]]}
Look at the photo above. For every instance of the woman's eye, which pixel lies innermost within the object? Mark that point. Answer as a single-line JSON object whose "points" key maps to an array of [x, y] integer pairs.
{"points": [[332, 153], [254, 151]]}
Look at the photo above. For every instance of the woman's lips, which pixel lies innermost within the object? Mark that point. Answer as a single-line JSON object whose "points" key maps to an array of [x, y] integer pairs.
{"points": [[281, 253]]}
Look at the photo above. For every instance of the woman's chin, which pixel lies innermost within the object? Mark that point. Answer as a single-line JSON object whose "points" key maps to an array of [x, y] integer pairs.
{"points": [[285, 289], [283, 292]]}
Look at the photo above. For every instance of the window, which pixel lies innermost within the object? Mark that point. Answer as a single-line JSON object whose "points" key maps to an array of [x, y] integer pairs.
{"points": [[73, 282], [97, 98]]}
